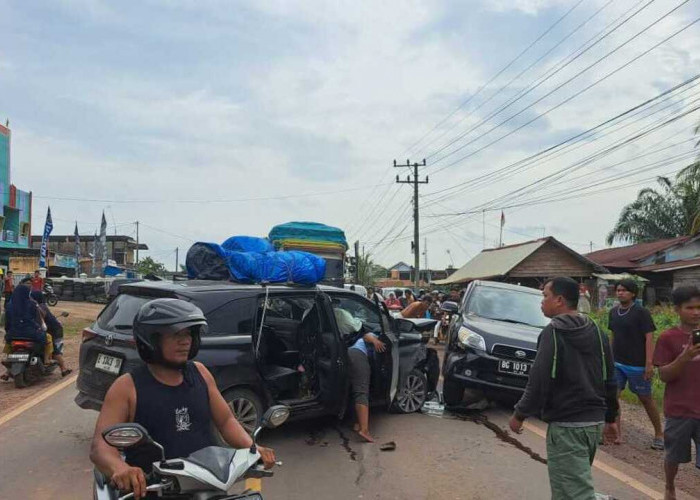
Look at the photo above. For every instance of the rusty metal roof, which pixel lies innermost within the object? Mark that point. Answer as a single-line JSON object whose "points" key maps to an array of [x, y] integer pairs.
{"points": [[669, 266], [628, 256]]}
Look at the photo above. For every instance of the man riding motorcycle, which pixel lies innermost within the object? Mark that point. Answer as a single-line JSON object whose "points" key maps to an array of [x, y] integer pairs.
{"points": [[174, 398]]}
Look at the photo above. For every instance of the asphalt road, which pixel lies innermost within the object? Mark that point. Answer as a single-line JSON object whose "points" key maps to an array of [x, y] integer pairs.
{"points": [[44, 455]]}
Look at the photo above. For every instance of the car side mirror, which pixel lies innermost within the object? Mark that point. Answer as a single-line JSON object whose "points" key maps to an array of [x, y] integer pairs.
{"points": [[450, 307], [404, 325]]}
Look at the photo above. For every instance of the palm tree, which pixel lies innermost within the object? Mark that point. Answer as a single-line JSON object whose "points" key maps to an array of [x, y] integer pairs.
{"points": [[668, 212]]}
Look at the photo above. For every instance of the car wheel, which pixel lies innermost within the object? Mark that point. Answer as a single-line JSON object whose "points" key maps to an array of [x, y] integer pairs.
{"points": [[413, 394], [246, 407], [452, 393]]}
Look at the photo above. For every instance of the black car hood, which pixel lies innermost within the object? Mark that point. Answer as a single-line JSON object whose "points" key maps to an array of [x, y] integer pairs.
{"points": [[503, 332]]}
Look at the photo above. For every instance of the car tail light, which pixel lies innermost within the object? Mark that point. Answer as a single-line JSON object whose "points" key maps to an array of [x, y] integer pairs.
{"points": [[88, 334]]}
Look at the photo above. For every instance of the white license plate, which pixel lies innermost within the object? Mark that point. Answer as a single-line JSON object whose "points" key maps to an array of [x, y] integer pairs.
{"points": [[22, 356], [108, 364], [514, 367]]}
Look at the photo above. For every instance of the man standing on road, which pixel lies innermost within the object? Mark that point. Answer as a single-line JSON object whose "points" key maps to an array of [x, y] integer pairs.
{"points": [[677, 355], [633, 347], [572, 388]]}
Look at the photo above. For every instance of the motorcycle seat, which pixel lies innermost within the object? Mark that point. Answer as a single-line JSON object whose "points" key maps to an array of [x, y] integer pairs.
{"points": [[215, 459]]}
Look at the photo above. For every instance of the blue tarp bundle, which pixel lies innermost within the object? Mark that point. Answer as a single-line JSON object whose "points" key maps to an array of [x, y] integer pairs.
{"points": [[214, 262], [248, 244]]}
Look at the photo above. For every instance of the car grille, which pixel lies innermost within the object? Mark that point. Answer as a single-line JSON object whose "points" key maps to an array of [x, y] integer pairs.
{"points": [[507, 351]]}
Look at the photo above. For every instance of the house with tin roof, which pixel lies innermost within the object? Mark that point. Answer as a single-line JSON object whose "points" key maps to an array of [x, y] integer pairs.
{"points": [[530, 263], [666, 263]]}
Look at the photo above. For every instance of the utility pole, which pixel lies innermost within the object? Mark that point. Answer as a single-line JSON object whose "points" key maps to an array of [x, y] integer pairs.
{"points": [[177, 259], [356, 277], [137, 243], [416, 215], [591, 247], [425, 253], [483, 229]]}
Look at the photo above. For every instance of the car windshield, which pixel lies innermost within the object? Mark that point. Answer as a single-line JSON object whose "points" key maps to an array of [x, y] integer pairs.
{"points": [[507, 305], [119, 315]]}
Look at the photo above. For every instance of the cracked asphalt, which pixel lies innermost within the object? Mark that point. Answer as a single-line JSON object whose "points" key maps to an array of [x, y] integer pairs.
{"points": [[44, 455]]}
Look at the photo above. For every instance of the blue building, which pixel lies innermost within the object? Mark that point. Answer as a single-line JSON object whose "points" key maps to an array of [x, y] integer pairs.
{"points": [[16, 210]]}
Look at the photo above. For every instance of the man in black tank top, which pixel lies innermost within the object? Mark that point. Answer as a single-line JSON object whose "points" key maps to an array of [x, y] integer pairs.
{"points": [[175, 399]]}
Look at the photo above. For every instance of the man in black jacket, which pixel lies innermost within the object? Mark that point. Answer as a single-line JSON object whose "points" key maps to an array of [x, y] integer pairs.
{"points": [[571, 387]]}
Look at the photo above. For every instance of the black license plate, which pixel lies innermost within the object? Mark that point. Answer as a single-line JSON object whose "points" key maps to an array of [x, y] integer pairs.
{"points": [[521, 368]]}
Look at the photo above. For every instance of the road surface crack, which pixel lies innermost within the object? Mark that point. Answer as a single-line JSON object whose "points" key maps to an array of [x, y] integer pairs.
{"points": [[503, 435], [345, 443]]}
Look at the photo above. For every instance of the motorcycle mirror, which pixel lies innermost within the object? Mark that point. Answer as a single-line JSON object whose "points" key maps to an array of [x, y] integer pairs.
{"points": [[275, 416], [124, 436]]}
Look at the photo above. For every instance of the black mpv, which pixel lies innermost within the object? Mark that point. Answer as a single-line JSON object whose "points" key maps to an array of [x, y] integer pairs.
{"points": [[296, 357]]}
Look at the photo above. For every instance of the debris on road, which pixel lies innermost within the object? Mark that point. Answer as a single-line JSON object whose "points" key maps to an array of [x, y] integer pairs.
{"points": [[390, 446]]}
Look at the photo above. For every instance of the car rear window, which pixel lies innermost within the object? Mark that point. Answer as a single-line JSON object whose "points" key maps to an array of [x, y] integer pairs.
{"points": [[119, 315]]}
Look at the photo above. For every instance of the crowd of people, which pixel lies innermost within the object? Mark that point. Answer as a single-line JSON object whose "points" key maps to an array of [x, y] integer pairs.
{"points": [[28, 317]]}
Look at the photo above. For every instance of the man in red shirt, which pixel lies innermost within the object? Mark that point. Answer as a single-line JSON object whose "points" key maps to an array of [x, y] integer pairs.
{"points": [[37, 282], [678, 360]]}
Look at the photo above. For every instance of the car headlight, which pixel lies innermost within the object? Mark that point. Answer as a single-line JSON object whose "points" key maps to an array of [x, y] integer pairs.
{"points": [[467, 338]]}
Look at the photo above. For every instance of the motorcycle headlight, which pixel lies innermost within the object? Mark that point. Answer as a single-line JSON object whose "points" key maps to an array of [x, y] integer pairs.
{"points": [[467, 338]]}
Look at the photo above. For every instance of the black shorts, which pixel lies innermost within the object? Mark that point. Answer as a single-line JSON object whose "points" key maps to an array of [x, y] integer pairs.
{"points": [[678, 433]]}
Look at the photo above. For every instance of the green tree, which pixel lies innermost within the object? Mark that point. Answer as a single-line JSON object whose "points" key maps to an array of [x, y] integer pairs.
{"points": [[368, 272], [150, 266], [669, 211]]}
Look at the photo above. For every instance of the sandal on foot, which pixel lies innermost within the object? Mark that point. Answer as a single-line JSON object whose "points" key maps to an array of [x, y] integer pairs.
{"points": [[5, 378], [657, 444], [67, 372]]}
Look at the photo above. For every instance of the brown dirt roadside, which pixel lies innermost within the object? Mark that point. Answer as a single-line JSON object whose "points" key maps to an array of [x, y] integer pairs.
{"points": [[637, 434], [81, 314]]}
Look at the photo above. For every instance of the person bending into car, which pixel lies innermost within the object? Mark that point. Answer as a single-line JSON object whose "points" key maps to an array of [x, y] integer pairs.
{"points": [[175, 399], [418, 308], [360, 341], [571, 387]]}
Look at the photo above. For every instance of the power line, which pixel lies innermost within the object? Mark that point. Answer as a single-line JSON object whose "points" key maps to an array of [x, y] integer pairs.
{"points": [[491, 80], [561, 148], [563, 63], [569, 99]]}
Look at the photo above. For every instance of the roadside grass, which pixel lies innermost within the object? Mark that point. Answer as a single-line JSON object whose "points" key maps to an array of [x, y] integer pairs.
{"points": [[664, 318], [74, 327]]}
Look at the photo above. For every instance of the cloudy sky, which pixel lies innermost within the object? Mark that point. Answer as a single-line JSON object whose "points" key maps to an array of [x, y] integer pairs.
{"points": [[204, 119]]}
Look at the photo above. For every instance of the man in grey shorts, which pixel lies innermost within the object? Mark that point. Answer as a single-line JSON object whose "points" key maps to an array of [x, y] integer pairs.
{"points": [[360, 370], [678, 359]]}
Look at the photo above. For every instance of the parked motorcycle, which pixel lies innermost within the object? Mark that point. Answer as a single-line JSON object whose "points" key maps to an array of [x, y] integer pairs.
{"points": [[25, 362], [51, 297], [207, 474], [448, 309]]}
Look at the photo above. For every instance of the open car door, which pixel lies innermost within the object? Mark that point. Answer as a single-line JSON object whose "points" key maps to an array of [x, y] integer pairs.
{"points": [[389, 359], [331, 360]]}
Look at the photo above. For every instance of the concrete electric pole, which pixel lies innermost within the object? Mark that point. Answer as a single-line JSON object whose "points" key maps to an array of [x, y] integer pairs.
{"points": [[416, 215]]}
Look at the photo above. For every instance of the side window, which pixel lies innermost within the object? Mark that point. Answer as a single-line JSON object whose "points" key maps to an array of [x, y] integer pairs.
{"points": [[361, 312], [233, 318]]}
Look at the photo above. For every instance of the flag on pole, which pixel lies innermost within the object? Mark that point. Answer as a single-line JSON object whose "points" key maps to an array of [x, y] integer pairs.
{"points": [[48, 227], [503, 219], [94, 254], [103, 240], [77, 250]]}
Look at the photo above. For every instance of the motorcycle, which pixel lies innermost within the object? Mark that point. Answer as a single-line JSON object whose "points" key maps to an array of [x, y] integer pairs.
{"points": [[25, 362], [51, 297], [207, 474]]}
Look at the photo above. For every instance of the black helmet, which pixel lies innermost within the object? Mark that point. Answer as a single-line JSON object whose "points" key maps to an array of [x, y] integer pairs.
{"points": [[164, 316]]}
